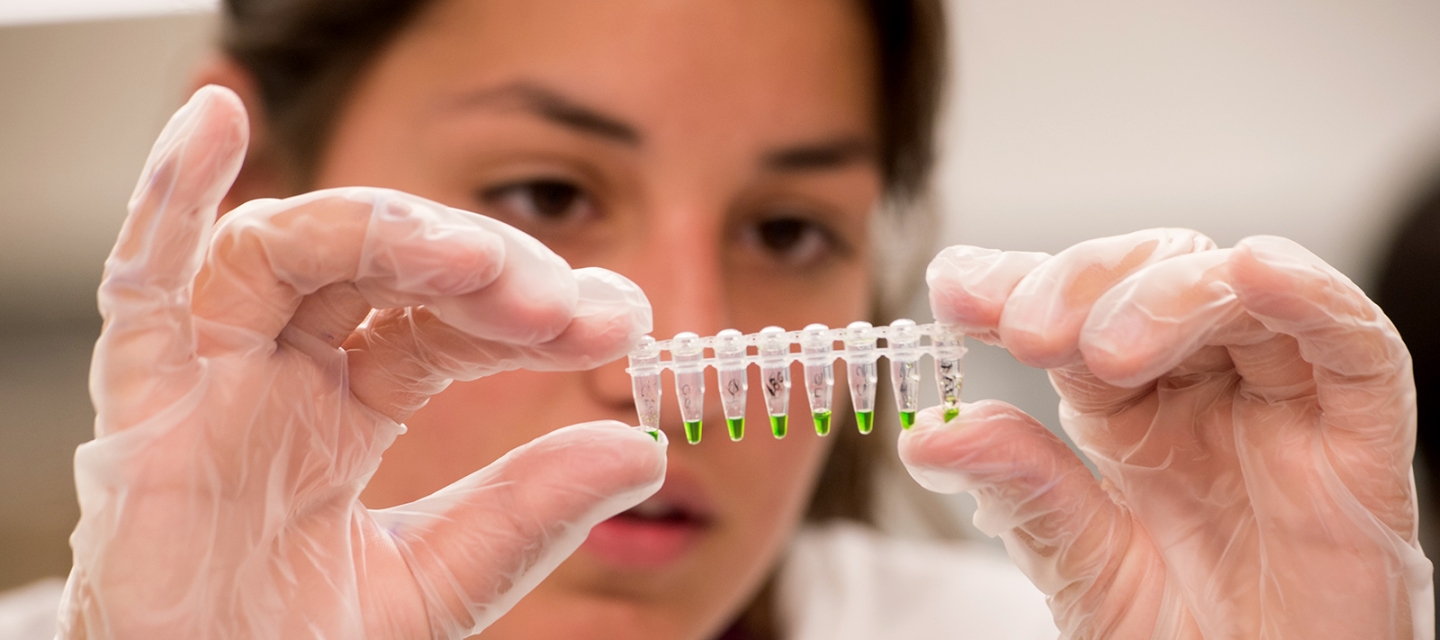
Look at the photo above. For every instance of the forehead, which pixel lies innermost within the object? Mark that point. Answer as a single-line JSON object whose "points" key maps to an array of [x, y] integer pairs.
{"points": [[777, 68]]}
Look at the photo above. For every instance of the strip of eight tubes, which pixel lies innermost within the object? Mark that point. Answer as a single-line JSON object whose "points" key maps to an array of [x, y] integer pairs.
{"points": [[817, 355]]}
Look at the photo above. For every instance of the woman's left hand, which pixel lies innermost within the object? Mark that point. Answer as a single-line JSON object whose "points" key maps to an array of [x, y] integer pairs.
{"points": [[1252, 415]]}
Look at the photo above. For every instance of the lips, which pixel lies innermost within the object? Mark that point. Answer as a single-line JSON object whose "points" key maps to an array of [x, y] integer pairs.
{"points": [[660, 511], [656, 533]]}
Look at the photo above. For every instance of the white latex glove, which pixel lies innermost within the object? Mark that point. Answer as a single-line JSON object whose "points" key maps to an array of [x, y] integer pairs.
{"points": [[241, 412], [1252, 415]]}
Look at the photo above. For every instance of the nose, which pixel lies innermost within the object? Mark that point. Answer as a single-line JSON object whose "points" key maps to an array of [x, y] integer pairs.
{"points": [[678, 265], [677, 262]]}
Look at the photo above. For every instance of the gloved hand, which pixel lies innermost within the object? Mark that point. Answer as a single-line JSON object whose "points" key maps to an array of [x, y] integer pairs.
{"points": [[1252, 416], [241, 412]]}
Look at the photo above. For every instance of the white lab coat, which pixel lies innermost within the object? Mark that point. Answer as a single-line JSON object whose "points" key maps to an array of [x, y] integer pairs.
{"points": [[848, 582], [839, 582]]}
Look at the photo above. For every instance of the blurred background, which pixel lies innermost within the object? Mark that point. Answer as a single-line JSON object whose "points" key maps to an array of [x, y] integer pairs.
{"points": [[1314, 119]]}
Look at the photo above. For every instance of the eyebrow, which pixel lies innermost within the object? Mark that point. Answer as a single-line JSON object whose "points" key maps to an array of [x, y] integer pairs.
{"points": [[555, 107], [820, 156]]}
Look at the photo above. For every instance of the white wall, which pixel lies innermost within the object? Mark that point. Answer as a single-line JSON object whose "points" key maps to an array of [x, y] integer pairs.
{"points": [[1304, 118], [80, 104]]}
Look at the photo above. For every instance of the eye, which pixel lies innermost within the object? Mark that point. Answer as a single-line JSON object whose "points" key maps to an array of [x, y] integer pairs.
{"points": [[545, 201], [790, 240]]}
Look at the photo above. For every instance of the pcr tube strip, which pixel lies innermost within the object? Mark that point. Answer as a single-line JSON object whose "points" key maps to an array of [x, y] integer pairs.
{"points": [[731, 353]]}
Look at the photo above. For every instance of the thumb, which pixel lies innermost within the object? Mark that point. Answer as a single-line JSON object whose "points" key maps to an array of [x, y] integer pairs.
{"points": [[1058, 523], [479, 545]]}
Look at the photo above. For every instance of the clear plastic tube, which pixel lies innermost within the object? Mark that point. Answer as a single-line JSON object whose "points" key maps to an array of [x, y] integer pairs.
{"points": [[733, 379], [860, 359], [818, 356], [645, 383], [904, 342], [690, 382], [775, 373], [949, 371]]}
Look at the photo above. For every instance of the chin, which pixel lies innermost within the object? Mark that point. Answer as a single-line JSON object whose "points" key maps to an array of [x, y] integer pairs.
{"points": [[557, 612], [645, 574]]}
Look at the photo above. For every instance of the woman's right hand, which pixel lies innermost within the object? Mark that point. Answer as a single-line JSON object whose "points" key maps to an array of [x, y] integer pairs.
{"points": [[241, 408]]}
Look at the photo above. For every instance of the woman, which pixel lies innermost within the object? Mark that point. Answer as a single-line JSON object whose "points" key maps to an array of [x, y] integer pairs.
{"points": [[1250, 410]]}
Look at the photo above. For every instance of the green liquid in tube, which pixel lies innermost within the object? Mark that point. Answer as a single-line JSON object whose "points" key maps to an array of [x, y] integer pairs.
{"points": [[692, 432], [865, 420], [822, 423], [778, 425], [907, 419], [951, 413], [653, 434], [736, 427]]}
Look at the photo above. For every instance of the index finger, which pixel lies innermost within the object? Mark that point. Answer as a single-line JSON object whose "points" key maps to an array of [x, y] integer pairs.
{"points": [[1362, 368], [1363, 383], [404, 356], [477, 274], [144, 296], [969, 286], [1044, 315]]}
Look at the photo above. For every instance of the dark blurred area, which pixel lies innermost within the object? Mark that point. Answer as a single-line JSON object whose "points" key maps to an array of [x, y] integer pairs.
{"points": [[1408, 289], [46, 414]]}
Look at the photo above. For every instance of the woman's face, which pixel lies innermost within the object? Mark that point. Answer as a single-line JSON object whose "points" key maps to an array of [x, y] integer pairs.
{"points": [[721, 154]]}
